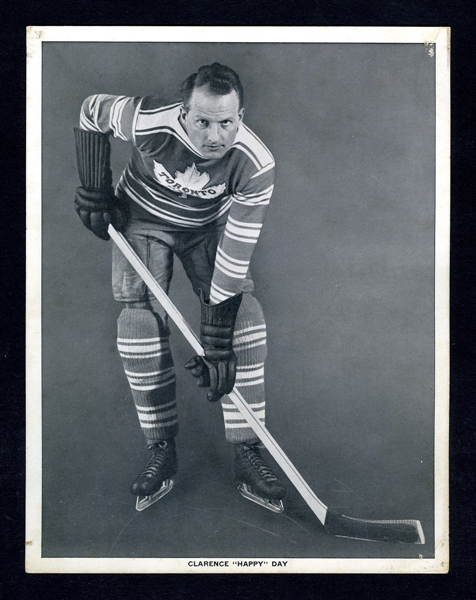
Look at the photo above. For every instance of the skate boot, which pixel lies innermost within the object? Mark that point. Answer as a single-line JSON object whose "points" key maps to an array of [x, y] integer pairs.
{"points": [[154, 481], [257, 482]]}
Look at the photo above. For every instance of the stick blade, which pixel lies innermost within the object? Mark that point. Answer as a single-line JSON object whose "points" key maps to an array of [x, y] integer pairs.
{"points": [[405, 532]]}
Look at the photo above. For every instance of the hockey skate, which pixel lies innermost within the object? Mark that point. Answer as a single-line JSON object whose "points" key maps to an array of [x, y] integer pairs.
{"points": [[257, 482], [154, 481]]}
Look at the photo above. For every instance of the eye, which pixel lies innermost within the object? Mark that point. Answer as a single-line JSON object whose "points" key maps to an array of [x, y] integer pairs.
{"points": [[226, 123], [202, 123]]}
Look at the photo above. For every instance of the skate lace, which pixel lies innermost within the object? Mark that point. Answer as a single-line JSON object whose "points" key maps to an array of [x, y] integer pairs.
{"points": [[257, 462], [155, 461]]}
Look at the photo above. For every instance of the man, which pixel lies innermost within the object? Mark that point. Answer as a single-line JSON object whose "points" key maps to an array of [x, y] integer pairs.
{"points": [[197, 186]]}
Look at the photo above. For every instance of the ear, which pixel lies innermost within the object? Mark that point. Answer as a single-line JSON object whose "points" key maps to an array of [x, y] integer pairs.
{"points": [[241, 114], [183, 114]]}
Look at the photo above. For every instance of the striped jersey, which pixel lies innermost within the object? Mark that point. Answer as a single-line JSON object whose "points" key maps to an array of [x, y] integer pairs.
{"points": [[168, 177]]}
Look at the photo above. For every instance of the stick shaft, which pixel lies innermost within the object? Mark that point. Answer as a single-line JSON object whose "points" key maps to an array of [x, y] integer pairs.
{"points": [[318, 508]]}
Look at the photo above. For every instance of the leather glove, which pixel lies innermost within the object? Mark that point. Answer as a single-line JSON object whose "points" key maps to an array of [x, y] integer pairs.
{"points": [[217, 369], [95, 201], [98, 208]]}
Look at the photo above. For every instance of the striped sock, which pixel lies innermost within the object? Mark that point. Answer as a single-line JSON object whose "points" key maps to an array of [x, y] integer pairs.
{"points": [[249, 345], [144, 348]]}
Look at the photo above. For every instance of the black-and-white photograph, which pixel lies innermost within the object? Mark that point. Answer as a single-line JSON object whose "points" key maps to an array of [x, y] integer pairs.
{"points": [[240, 249]]}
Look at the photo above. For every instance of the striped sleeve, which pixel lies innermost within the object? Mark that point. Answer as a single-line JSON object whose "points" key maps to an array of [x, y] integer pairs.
{"points": [[112, 115], [243, 228]]}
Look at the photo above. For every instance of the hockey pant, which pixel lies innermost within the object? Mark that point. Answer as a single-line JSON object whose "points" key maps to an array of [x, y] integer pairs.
{"points": [[143, 333]]}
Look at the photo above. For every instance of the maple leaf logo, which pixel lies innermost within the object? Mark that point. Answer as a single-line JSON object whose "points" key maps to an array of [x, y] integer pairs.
{"points": [[191, 178], [189, 183]]}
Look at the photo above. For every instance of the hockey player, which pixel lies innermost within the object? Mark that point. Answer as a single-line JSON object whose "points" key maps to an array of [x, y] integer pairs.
{"points": [[197, 186]]}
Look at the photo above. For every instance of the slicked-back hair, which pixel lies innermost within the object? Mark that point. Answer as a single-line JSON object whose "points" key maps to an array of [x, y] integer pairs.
{"points": [[219, 79]]}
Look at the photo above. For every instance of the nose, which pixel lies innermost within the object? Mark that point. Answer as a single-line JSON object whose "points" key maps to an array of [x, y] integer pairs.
{"points": [[213, 133]]}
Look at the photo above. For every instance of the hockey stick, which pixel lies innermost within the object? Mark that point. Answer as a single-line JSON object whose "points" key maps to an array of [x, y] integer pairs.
{"points": [[408, 531]]}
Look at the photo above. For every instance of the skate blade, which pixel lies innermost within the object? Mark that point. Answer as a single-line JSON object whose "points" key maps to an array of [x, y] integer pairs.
{"points": [[144, 502], [275, 506]]}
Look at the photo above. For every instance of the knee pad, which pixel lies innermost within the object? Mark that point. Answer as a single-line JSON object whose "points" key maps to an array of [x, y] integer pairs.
{"points": [[137, 323], [249, 340], [140, 314], [250, 312]]}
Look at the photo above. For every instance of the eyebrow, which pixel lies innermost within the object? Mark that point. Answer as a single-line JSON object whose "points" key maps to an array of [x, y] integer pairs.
{"points": [[206, 118], [203, 115]]}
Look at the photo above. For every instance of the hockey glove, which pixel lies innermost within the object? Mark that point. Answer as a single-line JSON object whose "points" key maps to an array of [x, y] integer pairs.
{"points": [[95, 201], [97, 209], [218, 369]]}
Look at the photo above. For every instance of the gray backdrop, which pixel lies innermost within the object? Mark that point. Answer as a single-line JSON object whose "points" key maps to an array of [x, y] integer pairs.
{"points": [[344, 270]]}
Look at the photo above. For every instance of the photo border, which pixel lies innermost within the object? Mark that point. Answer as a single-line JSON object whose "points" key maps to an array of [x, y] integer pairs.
{"points": [[432, 37]]}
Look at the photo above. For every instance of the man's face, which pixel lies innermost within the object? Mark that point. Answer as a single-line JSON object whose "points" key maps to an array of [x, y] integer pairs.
{"points": [[212, 121]]}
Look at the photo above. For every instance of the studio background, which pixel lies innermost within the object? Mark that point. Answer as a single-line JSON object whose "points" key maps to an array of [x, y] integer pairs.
{"points": [[344, 270]]}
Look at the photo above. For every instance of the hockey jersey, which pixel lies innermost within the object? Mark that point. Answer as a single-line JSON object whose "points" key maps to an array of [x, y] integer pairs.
{"points": [[168, 177]]}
